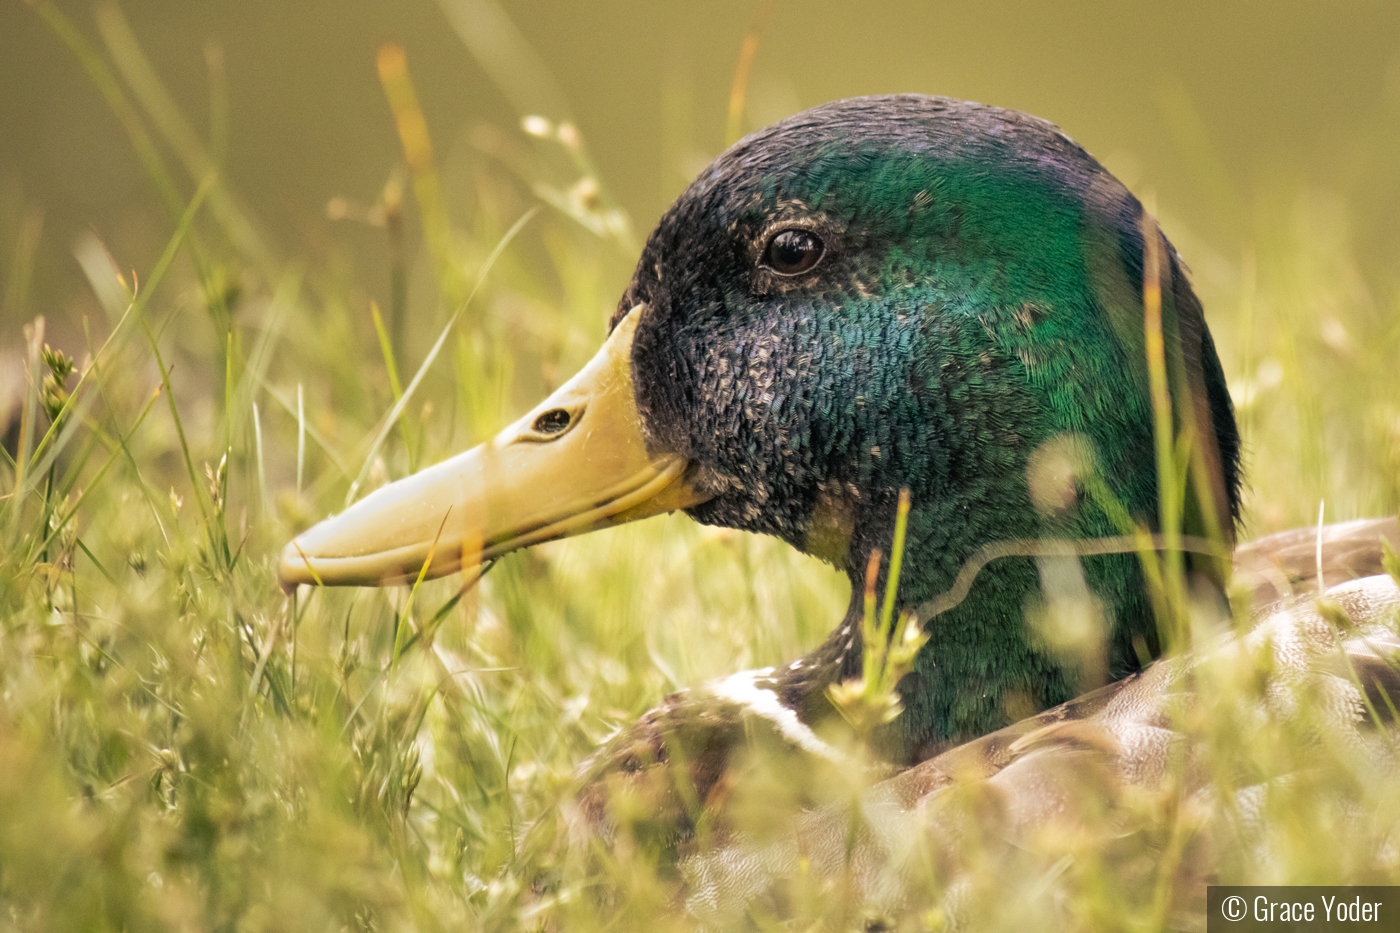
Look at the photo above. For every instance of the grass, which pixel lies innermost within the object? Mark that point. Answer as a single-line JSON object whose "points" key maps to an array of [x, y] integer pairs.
{"points": [[186, 748]]}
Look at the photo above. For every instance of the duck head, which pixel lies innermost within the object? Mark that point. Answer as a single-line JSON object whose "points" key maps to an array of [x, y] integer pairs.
{"points": [[877, 294]]}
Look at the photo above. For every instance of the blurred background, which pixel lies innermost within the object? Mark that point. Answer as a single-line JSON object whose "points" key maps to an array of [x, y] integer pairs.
{"points": [[1259, 129]]}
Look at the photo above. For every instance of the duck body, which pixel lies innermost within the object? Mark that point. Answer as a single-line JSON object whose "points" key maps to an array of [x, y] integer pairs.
{"points": [[1088, 781]]}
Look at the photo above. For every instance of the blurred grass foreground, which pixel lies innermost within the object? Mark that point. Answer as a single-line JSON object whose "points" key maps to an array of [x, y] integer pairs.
{"points": [[182, 747]]}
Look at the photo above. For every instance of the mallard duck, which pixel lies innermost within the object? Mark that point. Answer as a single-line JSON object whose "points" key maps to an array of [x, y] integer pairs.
{"points": [[879, 294]]}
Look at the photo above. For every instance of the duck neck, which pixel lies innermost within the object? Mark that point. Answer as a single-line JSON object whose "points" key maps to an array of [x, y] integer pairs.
{"points": [[1030, 633]]}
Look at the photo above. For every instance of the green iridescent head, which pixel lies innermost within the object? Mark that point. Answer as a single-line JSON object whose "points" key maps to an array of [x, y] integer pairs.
{"points": [[905, 292]]}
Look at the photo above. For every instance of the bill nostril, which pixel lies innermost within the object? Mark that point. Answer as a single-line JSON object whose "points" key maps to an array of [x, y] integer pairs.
{"points": [[554, 421]]}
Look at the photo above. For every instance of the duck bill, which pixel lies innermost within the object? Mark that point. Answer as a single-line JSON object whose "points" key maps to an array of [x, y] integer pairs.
{"points": [[576, 463]]}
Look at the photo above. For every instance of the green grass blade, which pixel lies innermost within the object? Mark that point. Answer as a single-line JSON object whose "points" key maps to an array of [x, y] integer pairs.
{"points": [[398, 408]]}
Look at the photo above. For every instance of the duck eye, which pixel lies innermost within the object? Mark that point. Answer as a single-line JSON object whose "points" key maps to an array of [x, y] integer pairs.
{"points": [[791, 252], [553, 421]]}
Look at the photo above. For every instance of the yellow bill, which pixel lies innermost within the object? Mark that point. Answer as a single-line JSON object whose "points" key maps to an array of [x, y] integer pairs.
{"points": [[576, 463]]}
